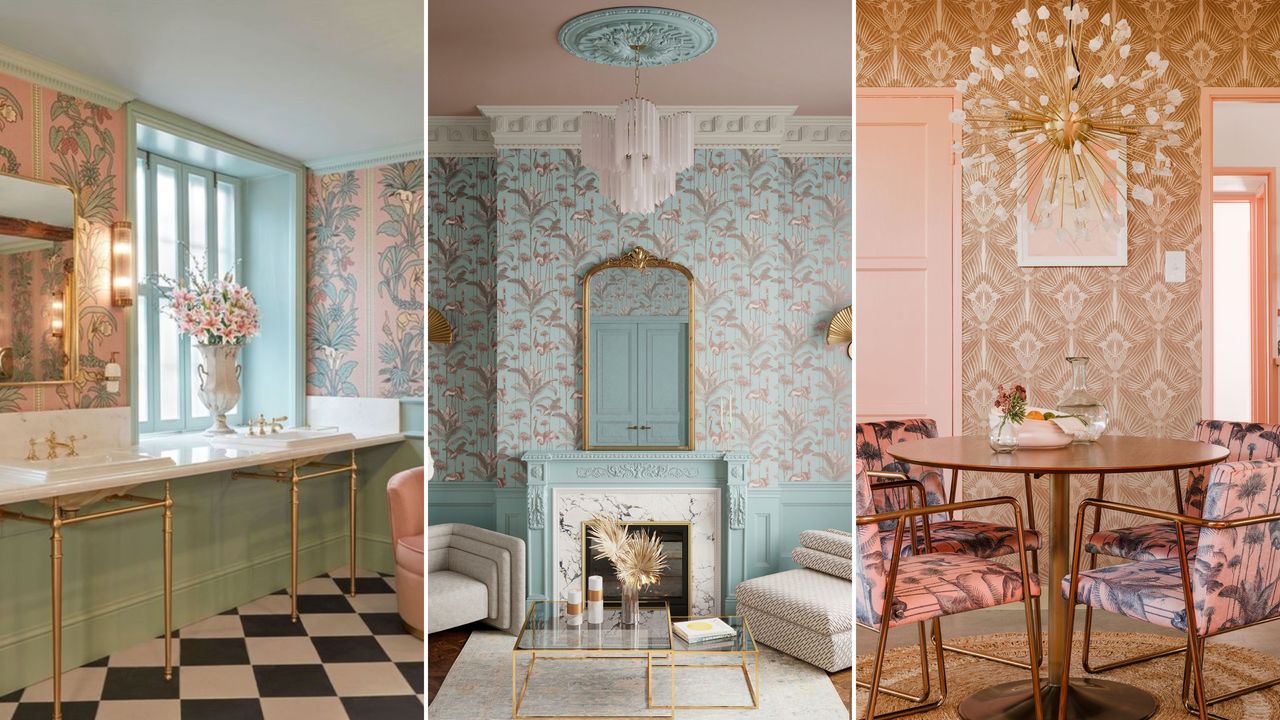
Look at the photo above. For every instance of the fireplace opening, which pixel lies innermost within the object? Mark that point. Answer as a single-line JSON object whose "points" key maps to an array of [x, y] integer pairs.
{"points": [[675, 585]]}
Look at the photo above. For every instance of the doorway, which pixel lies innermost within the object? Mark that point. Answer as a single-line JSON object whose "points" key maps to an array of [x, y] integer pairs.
{"points": [[1239, 290]]}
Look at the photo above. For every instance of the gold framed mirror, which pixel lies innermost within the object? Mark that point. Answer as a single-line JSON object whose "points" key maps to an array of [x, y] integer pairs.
{"points": [[638, 354], [39, 238]]}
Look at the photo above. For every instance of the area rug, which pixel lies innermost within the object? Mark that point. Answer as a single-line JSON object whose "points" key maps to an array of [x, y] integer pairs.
{"points": [[1227, 667], [478, 687]]}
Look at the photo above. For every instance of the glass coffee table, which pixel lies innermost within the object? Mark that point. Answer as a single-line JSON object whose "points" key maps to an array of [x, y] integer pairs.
{"points": [[547, 635]]}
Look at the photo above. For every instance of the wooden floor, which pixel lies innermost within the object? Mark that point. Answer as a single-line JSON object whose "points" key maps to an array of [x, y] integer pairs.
{"points": [[443, 648]]}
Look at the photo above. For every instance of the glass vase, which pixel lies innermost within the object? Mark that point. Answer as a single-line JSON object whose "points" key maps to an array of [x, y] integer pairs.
{"points": [[630, 603], [1078, 402], [1003, 437]]}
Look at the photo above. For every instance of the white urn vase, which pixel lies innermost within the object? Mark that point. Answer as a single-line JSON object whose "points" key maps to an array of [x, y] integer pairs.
{"points": [[219, 383]]}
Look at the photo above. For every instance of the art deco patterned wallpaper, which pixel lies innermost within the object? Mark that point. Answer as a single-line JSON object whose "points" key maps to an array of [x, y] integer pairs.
{"points": [[1142, 334], [51, 136], [364, 282], [463, 374], [768, 240]]}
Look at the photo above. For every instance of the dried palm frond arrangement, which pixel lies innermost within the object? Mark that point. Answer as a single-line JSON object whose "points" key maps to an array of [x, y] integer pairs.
{"points": [[638, 560]]}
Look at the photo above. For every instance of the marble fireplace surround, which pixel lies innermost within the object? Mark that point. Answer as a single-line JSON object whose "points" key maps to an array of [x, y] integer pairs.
{"points": [[705, 488]]}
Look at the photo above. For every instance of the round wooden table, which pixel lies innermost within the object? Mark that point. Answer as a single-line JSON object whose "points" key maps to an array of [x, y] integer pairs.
{"points": [[1087, 697]]}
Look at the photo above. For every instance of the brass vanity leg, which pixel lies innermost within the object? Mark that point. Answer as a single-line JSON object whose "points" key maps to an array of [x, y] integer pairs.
{"points": [[168, 583], [352, 529], [55, 555], [293, 546]]}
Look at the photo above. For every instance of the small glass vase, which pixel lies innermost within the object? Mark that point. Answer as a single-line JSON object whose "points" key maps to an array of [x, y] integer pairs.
{"points": [[1077, 401], [1003, 437], [630, 604]]}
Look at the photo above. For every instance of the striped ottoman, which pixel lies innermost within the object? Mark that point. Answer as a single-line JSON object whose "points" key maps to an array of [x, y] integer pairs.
{"points": [[804, 613]]}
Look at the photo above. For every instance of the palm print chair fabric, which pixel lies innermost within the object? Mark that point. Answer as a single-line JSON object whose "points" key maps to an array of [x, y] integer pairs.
{"points": [[1235, 572], [1155, 541], [964, 537], [928, 585]]}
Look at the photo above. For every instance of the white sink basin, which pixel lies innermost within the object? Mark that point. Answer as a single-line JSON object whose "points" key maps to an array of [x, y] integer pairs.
{"points": [[283, 440], [110, 463]]}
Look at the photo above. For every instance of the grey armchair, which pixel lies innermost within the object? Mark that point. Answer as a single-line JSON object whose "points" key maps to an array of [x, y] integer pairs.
{"points": [[474, 574]]}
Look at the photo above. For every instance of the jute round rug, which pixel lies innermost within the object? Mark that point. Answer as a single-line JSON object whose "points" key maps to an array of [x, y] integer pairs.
{"points": [[1227, 667]]}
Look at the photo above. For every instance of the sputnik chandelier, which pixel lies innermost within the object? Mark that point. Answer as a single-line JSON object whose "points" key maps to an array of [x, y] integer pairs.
{"points": [[1065, 120], [637, 153]]}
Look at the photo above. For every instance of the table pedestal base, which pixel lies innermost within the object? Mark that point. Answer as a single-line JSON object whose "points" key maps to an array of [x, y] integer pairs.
{"points": [[1086, 698]]}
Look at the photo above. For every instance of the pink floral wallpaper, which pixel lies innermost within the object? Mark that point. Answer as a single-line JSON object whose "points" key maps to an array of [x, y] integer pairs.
{"points": [[365, 274], [769, 241], [48, 135]]}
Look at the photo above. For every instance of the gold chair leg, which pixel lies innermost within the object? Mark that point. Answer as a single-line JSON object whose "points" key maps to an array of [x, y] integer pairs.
{"points": [[168, 582], [926, 686], [875, 679], [352, 529], [55, 555], [293, 546]]}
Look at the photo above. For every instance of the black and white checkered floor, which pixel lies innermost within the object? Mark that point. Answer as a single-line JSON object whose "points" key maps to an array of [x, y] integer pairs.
{"points": [[345, 658]]}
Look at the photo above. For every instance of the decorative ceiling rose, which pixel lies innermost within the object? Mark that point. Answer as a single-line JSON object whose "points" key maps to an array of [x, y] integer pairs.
{"points": [[637, 36], [1066, 119], [637, 153]]}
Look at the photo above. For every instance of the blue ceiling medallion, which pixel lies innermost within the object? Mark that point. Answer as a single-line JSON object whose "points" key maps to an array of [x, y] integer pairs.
{"points": [[644, 36]]}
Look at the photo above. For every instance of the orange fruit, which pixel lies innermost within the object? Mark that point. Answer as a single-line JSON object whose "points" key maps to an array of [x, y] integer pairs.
{"points": [[1035, 415]]}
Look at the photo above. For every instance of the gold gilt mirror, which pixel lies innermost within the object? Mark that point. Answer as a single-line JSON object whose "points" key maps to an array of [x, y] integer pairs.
{"points": [[38, 311], [637, 354]]}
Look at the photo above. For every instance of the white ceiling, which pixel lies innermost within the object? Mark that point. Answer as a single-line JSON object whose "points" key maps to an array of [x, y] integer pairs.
{"points": [[311, 79]]}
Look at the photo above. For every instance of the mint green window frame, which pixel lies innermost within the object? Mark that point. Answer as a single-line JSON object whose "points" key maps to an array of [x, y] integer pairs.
{"points": [[217, 259]]}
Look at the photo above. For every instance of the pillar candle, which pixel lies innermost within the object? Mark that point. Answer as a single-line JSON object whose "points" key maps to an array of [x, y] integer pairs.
{"points": [[573, 607]]}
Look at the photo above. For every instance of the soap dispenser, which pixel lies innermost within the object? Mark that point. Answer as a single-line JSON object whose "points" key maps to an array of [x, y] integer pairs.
{"points": [[111, 373]]}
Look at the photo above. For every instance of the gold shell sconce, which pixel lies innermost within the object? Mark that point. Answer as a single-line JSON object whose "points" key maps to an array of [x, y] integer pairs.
{"points": [[840, 329], [438, 328]]}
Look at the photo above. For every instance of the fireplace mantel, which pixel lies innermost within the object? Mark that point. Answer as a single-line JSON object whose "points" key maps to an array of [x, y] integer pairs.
{"points": [[552, 471]]}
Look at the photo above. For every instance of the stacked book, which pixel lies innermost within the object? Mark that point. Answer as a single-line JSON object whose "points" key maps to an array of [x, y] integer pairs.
{"points": [[703, 630]]}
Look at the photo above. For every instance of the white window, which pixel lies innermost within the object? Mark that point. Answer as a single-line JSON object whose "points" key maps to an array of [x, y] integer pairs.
{"points": [[188, 219]]}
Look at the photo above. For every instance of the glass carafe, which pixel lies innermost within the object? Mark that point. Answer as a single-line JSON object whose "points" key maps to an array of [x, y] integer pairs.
{"points": [[1078, 402]]}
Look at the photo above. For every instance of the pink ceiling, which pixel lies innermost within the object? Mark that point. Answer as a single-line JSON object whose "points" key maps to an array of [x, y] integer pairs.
{"points": [[768, 52]]}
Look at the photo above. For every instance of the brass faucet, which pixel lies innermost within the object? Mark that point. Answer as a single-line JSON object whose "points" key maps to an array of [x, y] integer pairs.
{"points": [[276, 425], [53, 443], [263, 423], [32, 456]]}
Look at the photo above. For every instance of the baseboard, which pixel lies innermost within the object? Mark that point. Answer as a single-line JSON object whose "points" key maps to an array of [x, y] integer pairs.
{"points": [[26, 655]]}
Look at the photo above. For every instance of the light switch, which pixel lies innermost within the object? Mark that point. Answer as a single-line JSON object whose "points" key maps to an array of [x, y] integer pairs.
{"points": [[1175, 266]]}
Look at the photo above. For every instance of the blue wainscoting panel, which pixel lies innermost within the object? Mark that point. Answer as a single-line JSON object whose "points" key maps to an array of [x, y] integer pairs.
{"points": [[462, 502], [811, 506]]}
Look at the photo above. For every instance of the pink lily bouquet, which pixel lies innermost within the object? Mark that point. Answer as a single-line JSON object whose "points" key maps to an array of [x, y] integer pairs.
{"points": [[213, 312]]}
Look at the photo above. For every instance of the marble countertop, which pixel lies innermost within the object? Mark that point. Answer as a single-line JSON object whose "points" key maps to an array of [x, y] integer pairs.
{"points": [[192, 454]]}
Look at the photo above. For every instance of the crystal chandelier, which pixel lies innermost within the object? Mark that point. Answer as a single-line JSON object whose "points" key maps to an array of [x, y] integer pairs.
{"points": [[1065, 120], [637, 153]]}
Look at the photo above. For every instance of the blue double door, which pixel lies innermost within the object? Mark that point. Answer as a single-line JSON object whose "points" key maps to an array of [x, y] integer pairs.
{"points": [[639, 381]]}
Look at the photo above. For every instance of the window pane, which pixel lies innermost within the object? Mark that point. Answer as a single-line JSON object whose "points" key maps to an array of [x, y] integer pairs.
{"points": [[167, 220], [197, 408], [140, 236], [197, 222], [226, 228], [144, 362], [169, 370]]}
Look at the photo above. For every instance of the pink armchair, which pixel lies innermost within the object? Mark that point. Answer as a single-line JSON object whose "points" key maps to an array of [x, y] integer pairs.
{"points": [[404, 502]]}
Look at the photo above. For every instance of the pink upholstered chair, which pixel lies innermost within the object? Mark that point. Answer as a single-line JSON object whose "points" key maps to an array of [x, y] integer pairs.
{"points": [[896, 588], [404, 502], [1228, 579], [962, 537], [1157, 541]]}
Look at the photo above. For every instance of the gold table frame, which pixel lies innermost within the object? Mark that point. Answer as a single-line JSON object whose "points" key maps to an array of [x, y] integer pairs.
{"points": [[61, 516], [753, 689], [288, 473]]}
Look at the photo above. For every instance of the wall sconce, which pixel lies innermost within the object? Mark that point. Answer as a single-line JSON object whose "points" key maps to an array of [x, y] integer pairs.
{"points": [[59, 314], [840, 330], [122, 263]]}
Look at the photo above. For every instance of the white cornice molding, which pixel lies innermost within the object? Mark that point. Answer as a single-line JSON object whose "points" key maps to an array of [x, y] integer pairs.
{"points": [[43, 72], [368, 158], [556, 126], [451, 136], [817, 136]]}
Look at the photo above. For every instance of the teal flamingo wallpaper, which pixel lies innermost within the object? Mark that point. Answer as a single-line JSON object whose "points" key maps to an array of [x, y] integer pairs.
{"points": [[52, 136], [365, 274], [769, 241]]}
